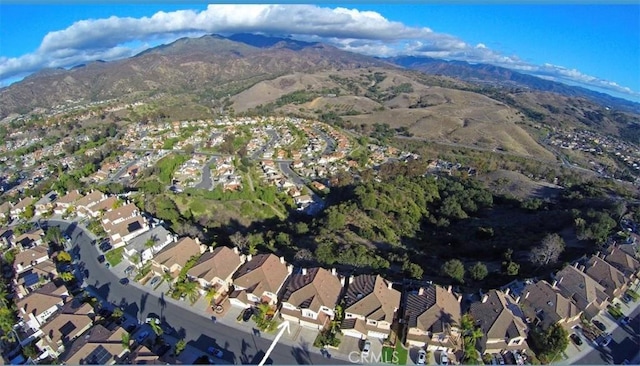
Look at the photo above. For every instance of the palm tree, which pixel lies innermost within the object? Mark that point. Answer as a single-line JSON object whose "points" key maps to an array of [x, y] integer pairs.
{"points": [[67, 276], [126, 340], [117, 313], [211, 294], [189, 289], [157, 329], [4, 295], [166, 276]]}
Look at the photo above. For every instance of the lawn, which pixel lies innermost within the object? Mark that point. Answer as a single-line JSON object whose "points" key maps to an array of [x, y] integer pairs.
{"points": [[398, 358], [634, 295], [615, 312], [114, 257]]}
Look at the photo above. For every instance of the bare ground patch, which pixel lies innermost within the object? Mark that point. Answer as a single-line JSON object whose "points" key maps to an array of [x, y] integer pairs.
{"points": [[519, 185]]}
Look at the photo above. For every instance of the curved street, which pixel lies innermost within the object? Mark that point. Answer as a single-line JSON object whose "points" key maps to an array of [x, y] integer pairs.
{"points": [[199, 331]]}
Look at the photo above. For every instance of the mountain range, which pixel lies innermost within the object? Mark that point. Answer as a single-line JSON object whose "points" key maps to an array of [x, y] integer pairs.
{"points": [[224, 65]]}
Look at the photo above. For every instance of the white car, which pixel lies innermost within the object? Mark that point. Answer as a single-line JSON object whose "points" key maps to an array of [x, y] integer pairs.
{"points": [[366, 349], [422, 357], [444, 360]]}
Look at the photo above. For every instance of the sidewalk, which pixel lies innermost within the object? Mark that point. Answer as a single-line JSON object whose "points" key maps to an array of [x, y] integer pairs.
{"points": [[298, 336]]}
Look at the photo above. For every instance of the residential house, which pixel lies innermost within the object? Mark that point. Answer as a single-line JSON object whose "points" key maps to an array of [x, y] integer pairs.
{"points": [[84, 204], [123, 231], [46, 203], [497, 315], [103, 206], [21, 207], [5, 210], [259, 280], [6, 238], [67, 201], [576, 285], [215, 268], [40, 305], [142, 355], [73, 320], [147, 244], [100, 346], [27, 258], [34, 277], [432, 318], [370, 307], [613, 281], [624, 262], [310, 296], [543, 305], [30, 239], [174, 256], [120, 214]]}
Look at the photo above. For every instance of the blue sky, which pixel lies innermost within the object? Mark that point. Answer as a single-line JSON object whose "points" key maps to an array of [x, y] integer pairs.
{"points": [[596, 46]]}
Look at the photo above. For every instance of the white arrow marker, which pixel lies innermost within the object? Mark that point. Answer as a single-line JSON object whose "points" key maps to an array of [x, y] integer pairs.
{"points": [[284, 325]]}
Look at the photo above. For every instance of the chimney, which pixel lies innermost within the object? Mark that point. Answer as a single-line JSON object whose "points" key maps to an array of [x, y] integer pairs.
{"points": [[197, 240], [334, 272], [249, 257], [575, 265], [553, 285], [506, 292], [235, 250], [211, 249], [598, 254], [389, 284], [526, 296], [449, 289], [282, 260], [420, 291], [351, 279], [203, 248], [304, 271], [459, 298], [290, 269], [342, 280], [581, 268], [485, 298]]}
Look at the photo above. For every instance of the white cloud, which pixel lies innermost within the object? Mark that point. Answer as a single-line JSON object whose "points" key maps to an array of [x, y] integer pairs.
{"points": [[353, 30]]}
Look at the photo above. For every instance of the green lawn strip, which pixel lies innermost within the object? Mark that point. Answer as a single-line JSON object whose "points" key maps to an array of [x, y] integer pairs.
{"points": [[114, 257], [401, 355], [634, 295]]}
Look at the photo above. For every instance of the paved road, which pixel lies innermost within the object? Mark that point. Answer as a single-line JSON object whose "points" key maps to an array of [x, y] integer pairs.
{"points": [[624, 346], [273, 136], [286, 169], [240, 347], [331, 144], [205, 181]]}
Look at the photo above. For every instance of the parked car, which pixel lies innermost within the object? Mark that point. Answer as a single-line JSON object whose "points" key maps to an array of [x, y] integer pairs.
{"points": [[129, 270], [576, 339], [130, 327], [599, 325], [107, 265], [142, 336], [124, 281], [366, 349], [152, 318], [518, 357], [499, 359], [444, 360], [605, 340], [246, 314], [101, 258], [216, 352], [154, 281], [625, 320], [422, 357]]}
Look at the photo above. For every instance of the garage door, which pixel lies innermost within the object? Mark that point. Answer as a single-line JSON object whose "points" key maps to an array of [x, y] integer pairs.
{"points": [[352, 333]]}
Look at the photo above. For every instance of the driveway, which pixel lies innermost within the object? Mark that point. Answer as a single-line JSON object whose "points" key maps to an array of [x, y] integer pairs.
{"points": [[195, 327]]}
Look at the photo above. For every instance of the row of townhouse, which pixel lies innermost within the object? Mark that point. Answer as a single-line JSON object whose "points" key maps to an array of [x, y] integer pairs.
{"points": [[69, 330]]}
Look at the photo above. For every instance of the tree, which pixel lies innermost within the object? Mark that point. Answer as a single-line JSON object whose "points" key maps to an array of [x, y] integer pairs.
{"points": [[64, 257], [548, 343], [126, 340], [478, 271], [548, 251], [53, 234], [180, 346], [156, 328], [117, 313], [454, 269], [413, 270], [7, 321], [211, 294], [239, 241], [513, 268], [67, 276], [189, 289], [28, 212]]}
